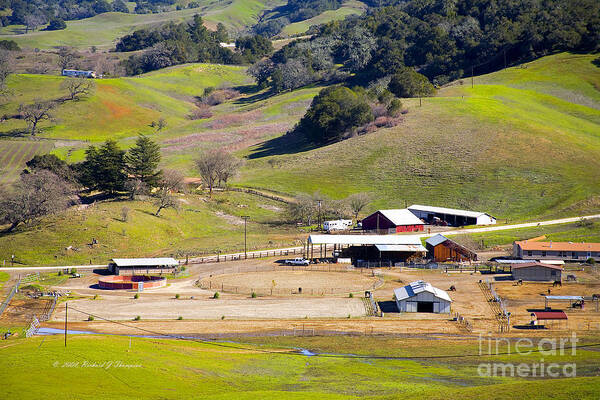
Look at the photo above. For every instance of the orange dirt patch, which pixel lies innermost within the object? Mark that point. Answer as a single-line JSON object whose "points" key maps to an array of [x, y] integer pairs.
{"points": [[116, 110]]}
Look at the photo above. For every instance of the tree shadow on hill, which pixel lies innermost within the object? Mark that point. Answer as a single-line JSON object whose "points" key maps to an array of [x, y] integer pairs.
{"points": [[255, 94], [596, 62], [290, 143]]}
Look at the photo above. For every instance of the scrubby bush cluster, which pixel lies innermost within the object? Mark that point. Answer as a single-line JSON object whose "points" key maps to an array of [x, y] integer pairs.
{"points": [[441, 40]]}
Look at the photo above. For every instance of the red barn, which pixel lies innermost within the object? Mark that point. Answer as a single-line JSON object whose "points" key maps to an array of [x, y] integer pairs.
{"points": [[392, 221]]}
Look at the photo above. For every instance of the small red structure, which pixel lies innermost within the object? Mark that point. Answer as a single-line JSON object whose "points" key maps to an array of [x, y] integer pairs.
{"points": [[131, 282], [552, 316]]}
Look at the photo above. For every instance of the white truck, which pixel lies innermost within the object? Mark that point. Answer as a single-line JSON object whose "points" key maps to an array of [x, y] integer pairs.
{"points": [[337, 225], [297, 261]]}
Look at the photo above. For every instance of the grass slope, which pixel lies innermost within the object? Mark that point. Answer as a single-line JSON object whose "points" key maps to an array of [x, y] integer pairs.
{"points": [[103, 30], [120, 368], [523, 143], [351, 7], [200, 226]]}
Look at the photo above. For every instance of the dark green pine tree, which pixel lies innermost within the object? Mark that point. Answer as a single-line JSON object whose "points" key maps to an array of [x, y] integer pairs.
{"points": [[142, 161], [111, 167]]}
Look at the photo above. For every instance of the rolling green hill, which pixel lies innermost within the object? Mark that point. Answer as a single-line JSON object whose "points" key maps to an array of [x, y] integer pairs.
{"points": [[351, 7], [522, 143], [102, 30]]}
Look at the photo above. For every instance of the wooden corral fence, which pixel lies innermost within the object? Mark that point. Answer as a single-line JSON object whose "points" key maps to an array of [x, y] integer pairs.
{"points": [[209, 284], [496, 304], [6, 301], [463, 322], [292, 251]]}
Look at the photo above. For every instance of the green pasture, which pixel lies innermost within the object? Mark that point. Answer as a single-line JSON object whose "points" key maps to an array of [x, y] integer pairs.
{"points": [[124, 368]]}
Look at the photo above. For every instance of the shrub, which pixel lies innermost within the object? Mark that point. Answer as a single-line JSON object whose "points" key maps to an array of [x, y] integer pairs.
{"points": [[216, 295], [137, 318], [253, 295], [202, 112], [394, 108], [590, 261], [90, 318], [351, 295], [59, 273], [56, 24], [222, 317], [333, 113], [177, 296], [410, 83], [73, 270], [136, 296], [180, 318], [219, 96]]}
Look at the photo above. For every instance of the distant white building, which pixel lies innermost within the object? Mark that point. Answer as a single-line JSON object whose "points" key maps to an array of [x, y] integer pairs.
{"points": [[451, 216], [337, 225], [227, 45], [78, 73], [420, 296]]}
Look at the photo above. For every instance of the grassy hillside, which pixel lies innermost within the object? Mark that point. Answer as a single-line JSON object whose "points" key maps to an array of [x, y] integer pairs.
{"points": [[523, 143], [104, 29], [168, 369], [200, 226], [351, 7]]}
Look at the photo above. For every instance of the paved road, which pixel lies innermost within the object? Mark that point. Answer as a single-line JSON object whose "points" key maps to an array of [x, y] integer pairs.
{"points": [[515, 226], [290, 250]]}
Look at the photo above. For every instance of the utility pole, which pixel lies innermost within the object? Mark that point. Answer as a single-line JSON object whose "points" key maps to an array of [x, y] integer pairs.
{"points": [[319, 203], [245, 217], [66, 312], [505, 59], [472, 83]]}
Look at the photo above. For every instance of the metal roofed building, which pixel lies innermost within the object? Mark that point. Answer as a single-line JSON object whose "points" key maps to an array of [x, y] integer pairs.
{"points": [[392, 221], [421, 296], [536, 249], [142, 265], [451, 216], [369, 248], [441, 249], [535, 271]]}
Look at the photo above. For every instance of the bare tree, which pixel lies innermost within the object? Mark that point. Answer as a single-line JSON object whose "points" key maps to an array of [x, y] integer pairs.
{"points": [[216, 166], [6, 68], [173, 181], [66, 56], [125, 214], [33, 21], [135, 188], [35, 195], [358, 202], [78, 86], [165, 200], [303, 209], [36, 112]]}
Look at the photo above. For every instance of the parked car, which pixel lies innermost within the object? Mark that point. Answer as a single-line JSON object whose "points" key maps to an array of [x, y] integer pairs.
{"points": [[297, 261]]}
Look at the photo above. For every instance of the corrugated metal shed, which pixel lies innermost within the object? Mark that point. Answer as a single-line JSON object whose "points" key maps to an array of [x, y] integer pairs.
{"points": [[444, 210], [437, 239], [400, 247], [575, 298], [417, 287], [536, 264], [145, 262], [365, 239]]}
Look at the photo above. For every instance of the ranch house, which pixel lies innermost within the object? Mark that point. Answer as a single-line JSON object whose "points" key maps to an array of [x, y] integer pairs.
{"points": [[536, 249]]}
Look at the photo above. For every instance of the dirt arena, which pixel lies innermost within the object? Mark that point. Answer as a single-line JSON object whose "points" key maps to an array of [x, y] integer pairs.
{"points": [[290, 282]]}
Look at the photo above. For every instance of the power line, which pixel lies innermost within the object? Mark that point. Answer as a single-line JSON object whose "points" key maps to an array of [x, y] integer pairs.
{"points": [[323, 355]]}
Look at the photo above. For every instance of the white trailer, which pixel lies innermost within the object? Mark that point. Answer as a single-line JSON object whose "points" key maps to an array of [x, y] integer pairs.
{"points": [[337, 225]]}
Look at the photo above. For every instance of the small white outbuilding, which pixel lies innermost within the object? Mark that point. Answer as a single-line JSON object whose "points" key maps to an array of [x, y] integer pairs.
{"points": [[420, 296]]}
